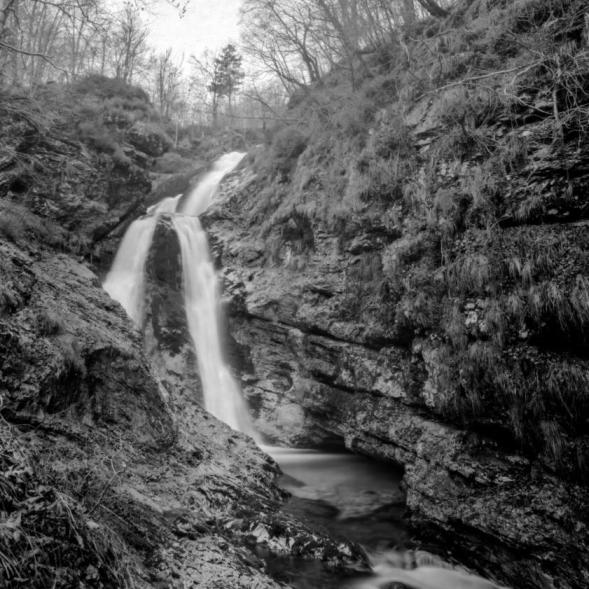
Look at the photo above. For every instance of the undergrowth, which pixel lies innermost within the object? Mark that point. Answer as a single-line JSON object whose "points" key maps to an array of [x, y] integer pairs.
{"points": [[46, 537]]}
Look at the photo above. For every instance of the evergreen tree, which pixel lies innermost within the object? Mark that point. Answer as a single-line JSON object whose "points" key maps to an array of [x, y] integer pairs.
{"points": [[227, 77]]}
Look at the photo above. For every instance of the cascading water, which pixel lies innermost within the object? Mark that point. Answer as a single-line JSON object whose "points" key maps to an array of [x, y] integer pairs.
{"points": [[126, 280], [222, 395], [202, 196], [126, 284]]}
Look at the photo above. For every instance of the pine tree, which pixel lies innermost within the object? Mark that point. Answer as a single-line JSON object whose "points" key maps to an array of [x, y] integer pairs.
{"points": [[227, 77]]}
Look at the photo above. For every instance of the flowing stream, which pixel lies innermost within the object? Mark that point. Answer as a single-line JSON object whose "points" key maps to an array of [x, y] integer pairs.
{"points": [[349, 496]]}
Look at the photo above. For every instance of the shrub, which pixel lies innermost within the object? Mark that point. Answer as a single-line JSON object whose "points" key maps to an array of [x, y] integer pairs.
{"points": [[288, 144], [149, 138], [484, 188], [404, 252], [104, 87], [472, 274], [382, 179], [353, 115], [12, 226], [48, 323], [526, 15], [471, 108], [173, 163], [513, 154], [450, 208], [17, 223], [392, 137], [98, 136]]}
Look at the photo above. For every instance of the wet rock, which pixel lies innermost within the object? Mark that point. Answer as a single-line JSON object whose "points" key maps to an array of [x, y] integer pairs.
{"points": [[166, 336]]}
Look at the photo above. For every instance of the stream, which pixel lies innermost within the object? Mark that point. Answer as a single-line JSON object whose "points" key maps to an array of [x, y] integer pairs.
{"points": [[350, 497]]}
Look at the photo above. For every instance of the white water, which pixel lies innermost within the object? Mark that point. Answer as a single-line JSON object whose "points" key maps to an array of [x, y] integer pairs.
{"points": [[126, 280], [126, 284], [358, 488], [202, 196], [222, 396], [424, 577], [167, 205]]}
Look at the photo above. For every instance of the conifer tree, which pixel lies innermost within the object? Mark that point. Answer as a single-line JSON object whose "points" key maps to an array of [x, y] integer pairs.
{"points": [[228, 76]]}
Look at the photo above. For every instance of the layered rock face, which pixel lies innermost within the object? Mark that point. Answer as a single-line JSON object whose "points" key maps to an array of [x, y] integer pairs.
{"points": [[418, 292], [166, 338], [313, 374]]}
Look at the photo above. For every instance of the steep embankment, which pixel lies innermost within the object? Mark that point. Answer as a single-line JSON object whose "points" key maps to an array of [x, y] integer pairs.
{"points": [[407, 271], [108, 478]]}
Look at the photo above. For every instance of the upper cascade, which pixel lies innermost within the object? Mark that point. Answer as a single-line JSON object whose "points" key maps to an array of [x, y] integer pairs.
{"points": [[202, 196]]}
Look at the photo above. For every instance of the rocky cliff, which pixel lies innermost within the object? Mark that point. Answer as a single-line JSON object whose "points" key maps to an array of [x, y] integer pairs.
{"points": [[406, 272]]}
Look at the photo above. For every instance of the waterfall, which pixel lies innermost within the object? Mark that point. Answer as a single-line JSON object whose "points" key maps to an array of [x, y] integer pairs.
{"points": [[202, 196], [126, 284], [222, 396], [126, 280]]}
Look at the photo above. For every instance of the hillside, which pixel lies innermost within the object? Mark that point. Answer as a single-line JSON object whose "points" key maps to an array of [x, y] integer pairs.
{"points": [[406, 272]]}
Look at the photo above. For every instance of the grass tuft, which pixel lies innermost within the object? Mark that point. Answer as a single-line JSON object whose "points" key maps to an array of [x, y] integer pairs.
{"points": [[47, 539]]}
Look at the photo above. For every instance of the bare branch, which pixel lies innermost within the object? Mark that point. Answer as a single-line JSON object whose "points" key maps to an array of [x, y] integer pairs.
{"points": [[33, 54]]}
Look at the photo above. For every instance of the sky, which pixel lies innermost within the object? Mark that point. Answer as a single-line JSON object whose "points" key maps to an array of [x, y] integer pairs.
{"points": [[207, 24]]}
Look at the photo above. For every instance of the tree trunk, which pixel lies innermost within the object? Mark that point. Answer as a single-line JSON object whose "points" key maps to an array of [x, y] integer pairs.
{"points": [[215, 107], [6, 7]]}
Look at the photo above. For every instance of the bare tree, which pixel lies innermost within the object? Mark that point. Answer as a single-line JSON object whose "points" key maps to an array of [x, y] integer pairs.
{"points": [[167, 82], [282, 35], [129, 44], [434, 8], [298, 40], [63, 39]]}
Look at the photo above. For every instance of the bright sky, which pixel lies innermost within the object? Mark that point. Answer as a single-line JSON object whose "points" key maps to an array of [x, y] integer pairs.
{"points": [[207, 24]]}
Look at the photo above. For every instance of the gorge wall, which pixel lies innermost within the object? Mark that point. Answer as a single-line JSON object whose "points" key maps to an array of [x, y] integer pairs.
{"points": [[406, 272]]}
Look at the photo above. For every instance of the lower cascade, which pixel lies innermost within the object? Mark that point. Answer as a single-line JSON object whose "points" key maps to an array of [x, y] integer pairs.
{"points": [[353, 486], [221, 392]]}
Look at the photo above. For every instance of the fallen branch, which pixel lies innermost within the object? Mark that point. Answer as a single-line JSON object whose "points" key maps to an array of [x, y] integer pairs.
{"points": [[481, 77]]}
